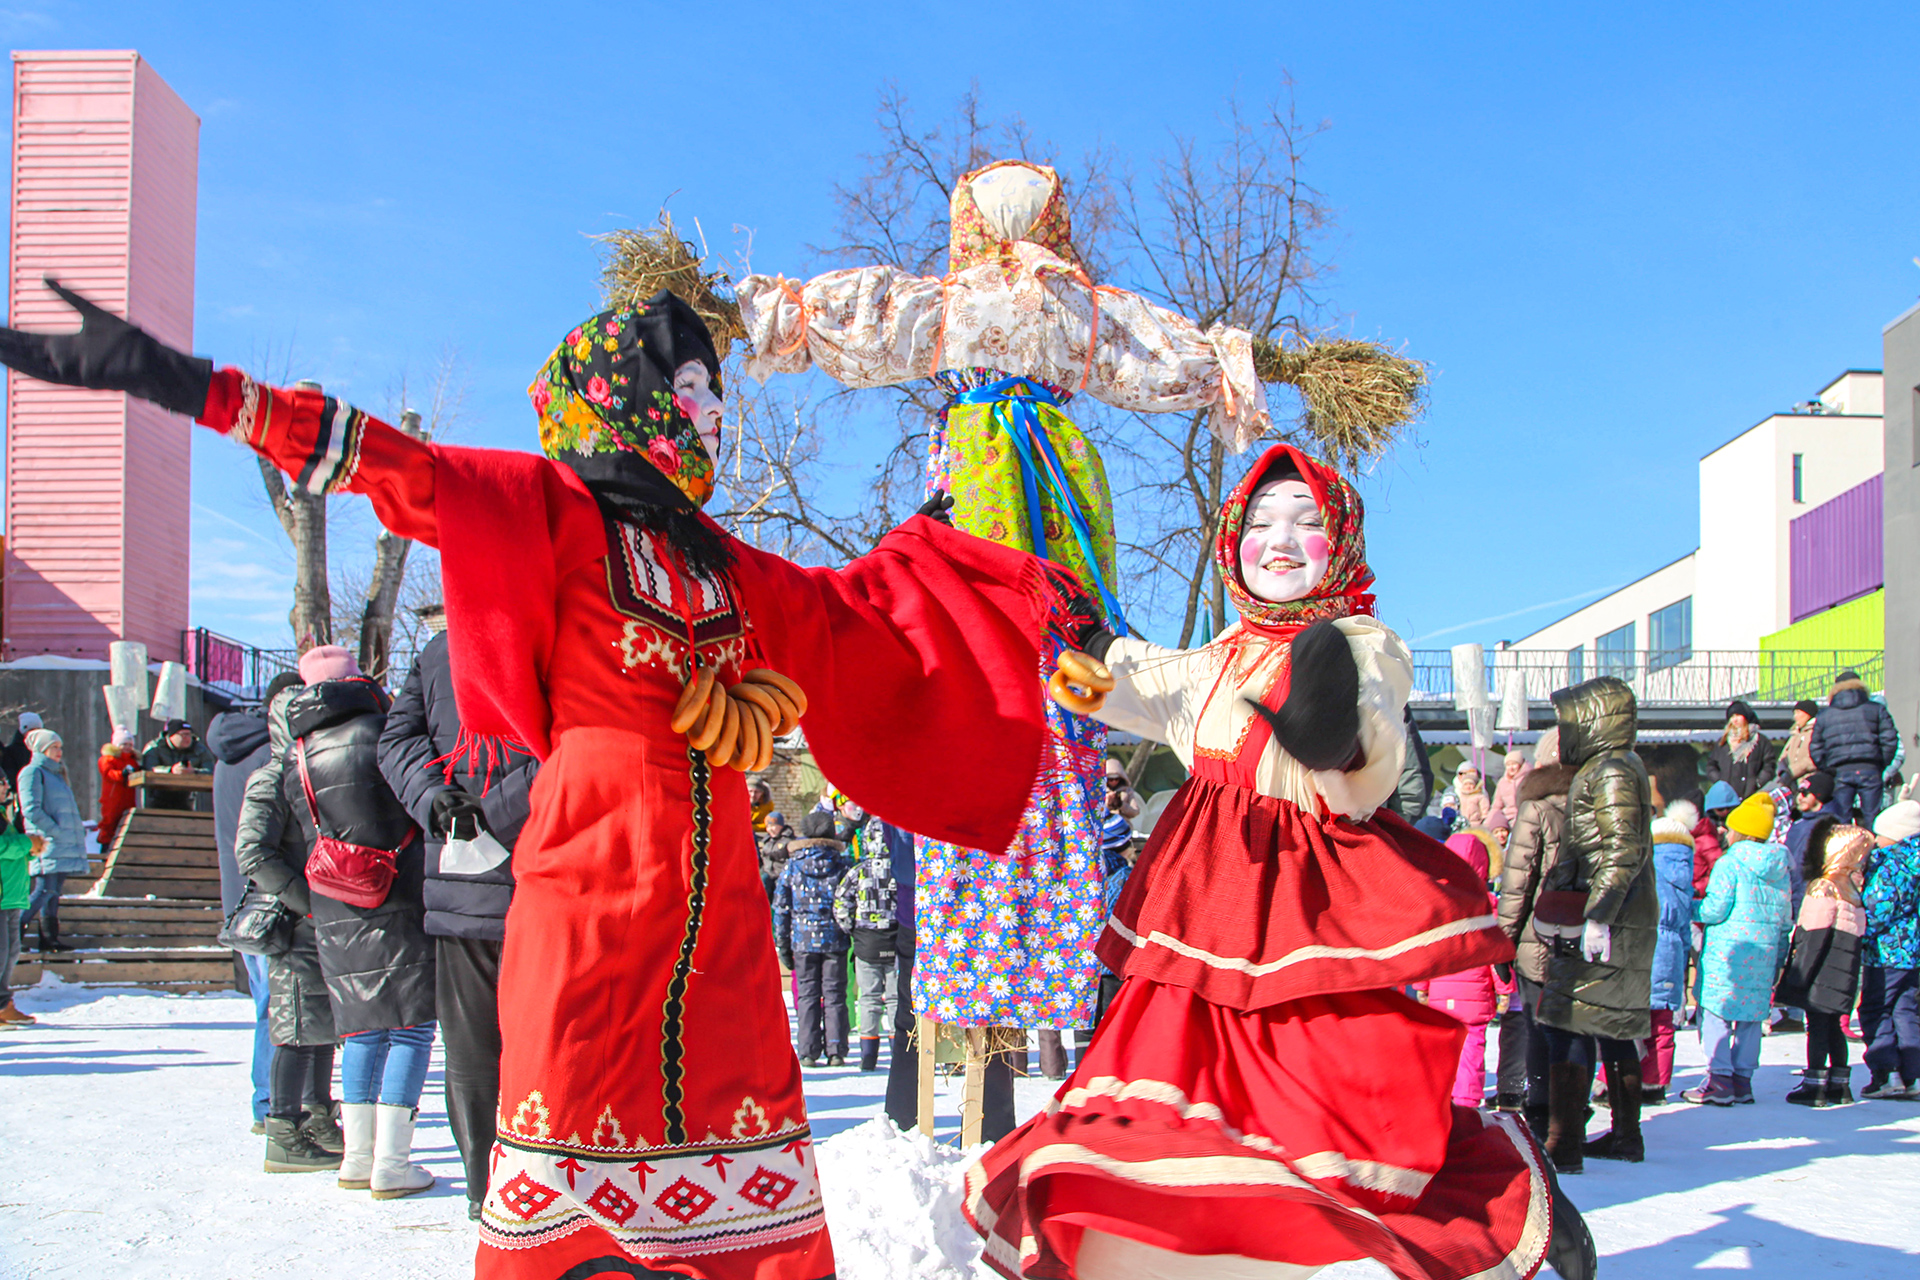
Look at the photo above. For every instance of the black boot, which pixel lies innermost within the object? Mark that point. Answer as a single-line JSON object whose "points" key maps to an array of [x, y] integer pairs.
{"points": [[1567, 1085], [1811, 1091], [289, 1150], [50, 937], [869, 1053], [1839, 1090], [1570, 1250], [1623, 1140]]}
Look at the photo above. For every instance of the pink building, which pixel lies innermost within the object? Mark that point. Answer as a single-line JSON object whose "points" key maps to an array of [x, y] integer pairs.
{"points": [[105, 165]]}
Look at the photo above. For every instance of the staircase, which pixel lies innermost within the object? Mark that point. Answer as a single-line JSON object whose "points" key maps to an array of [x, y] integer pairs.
{"points": [[152, 916]]}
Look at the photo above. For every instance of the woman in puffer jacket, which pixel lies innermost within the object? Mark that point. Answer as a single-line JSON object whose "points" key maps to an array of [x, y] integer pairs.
{"points": [[1673, 877], [270, 849], [1823, 964], [48, 810], [1472, 995], [1747, 911], [378, 961]]}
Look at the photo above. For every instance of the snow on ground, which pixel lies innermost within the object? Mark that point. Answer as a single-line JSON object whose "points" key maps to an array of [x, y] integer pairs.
{"points": [[123, 1138]]}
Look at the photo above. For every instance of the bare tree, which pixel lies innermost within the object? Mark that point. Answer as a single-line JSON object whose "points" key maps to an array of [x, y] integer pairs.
{"points": [[304, 517]]}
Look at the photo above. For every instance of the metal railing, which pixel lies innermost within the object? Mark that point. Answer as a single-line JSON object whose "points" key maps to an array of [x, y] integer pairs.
{"points": [[1660, 678], [245, 670]]}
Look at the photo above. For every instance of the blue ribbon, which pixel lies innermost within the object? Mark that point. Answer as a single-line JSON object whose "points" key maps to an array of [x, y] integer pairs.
{"points": [[1014, 401]]}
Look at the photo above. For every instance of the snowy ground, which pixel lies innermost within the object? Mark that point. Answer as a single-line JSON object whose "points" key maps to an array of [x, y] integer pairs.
{"points": [[123, 1137]]}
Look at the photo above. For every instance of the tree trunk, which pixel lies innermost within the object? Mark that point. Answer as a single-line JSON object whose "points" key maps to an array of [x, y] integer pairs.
{"points": [[383, 590], [303, 516]]}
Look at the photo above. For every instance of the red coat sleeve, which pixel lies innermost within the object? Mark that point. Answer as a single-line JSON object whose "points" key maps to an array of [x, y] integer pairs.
{"points": [[921, 664]]}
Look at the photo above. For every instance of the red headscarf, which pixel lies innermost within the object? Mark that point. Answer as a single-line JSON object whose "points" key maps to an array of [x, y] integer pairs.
{"points": [[1343, 591]]}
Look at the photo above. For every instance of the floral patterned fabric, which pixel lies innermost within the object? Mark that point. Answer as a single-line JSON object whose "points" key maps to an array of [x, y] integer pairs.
{"points": [[605, 396], [876, 327], [1892, 900], [974, 241], [1006, 940]]}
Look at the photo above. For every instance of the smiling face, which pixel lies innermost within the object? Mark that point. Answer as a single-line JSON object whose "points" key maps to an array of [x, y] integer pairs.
{"points": [[694, 394], [1283, 545]]}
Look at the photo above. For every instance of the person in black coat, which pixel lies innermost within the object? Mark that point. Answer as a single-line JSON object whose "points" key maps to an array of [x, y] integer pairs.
{"points": [[1854, 739], [1744, 758], [1822, 973], [17, 755], [378, 960], [449, 789]]}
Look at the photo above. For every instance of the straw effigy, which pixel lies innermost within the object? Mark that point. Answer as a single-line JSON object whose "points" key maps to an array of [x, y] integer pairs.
{"points": [[638, 264], [1358, 396]]}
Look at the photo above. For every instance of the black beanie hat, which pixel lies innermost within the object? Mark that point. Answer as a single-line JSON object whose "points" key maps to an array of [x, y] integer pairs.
{"points": [[817, 826], [1807, 705]]}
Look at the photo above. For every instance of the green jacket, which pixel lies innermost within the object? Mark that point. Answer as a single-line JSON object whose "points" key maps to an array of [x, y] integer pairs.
{"points": [[1606, 853], [15, 849]]}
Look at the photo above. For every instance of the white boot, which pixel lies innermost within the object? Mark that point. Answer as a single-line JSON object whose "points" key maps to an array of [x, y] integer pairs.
{"points": [[356, 1163], [394, 1175]]}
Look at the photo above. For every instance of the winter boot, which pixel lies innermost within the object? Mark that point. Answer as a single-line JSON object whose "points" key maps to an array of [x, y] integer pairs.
{"points": [[1623, 1140], [356, 1164], [1535, 1116], [322, 1126], [869, 1053], [1839, 1091], [50, 939], [1566, 1116], [289, 1150], [1716, 1092], [10, 1016], [1570, 1249], [394, 1174], [1743, 1090], [1811, 1091]]}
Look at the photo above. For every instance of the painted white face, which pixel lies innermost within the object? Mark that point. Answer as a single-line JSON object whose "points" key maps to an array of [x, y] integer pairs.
{"points": [[693, 393], [1283, 546]]}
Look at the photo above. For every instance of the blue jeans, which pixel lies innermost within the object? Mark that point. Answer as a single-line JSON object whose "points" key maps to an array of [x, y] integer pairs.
{"points": [[386, 1066], [1890, 1020], [44, 902], [1733, 1048], [262, 1040], [1857, 785]]}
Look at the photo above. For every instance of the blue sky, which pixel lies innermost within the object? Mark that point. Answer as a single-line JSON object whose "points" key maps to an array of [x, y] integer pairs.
{"points": [[1620, 235]]}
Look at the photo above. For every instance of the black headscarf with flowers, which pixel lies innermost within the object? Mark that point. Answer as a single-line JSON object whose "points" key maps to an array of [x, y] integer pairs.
{"points": [[606, 406]]}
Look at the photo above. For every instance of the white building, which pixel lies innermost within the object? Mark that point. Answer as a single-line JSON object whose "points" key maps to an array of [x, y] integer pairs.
{"points": [[1733, 588]]}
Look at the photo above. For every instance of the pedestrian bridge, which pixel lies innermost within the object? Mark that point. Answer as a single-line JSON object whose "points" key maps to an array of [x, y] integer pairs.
{"points": [[1678, 692]]}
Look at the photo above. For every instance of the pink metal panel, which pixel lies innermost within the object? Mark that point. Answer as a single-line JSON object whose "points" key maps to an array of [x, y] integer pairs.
{"points": [[104, 162], [1834, 551]]}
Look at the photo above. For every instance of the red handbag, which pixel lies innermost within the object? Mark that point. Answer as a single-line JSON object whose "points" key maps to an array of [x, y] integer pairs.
{"points": [[346, 872]]}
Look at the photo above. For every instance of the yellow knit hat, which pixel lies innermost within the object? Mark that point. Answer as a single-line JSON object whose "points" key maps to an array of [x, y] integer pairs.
{"points": [[1754, 818]]}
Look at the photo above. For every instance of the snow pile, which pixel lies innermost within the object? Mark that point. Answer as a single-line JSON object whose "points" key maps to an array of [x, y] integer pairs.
{"points": [[893, 1206]]}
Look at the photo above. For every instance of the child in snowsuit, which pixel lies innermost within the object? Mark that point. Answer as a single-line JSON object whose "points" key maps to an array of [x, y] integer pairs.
{"points": [[1747, 912], [1472, 995], [810, 943], [117, 759], [1673, 852], [1890, 958], [1823, 968], [863, 907]]}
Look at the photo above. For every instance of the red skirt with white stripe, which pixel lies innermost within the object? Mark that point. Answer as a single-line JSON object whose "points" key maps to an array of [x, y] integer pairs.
{"points": [[1309, 1132]]}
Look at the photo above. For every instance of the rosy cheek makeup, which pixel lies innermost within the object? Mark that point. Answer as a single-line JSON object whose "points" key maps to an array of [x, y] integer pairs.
{"points": [[1315, 545]]}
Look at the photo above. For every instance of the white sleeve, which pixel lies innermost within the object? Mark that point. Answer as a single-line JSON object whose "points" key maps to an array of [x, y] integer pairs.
{"points": [[1149, 693], [1386, 678], [864, 327]]}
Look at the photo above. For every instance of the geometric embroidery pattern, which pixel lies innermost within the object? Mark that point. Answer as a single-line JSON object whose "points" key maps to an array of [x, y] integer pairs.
{"points": [[767, 1188], [526, 1197], [684, 1201], [613, 1202]]}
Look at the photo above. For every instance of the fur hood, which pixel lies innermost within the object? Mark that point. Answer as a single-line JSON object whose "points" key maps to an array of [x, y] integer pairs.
{"points": [[1547, 780], [1672, 831]]}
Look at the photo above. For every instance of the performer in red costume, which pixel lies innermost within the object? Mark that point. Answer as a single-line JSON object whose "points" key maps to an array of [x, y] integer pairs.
{"points": [[651, 1118], [1262, 1100]]}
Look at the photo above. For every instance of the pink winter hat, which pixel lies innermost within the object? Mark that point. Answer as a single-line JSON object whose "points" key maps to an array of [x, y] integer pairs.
{"points": [[327, 662]]}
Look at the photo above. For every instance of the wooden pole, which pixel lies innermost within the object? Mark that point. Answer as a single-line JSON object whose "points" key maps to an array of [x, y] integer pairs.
{"points": [[973, 1099], [926, 1033]]}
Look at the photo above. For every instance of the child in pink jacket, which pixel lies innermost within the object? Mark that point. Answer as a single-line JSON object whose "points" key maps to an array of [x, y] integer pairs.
{"points": [[1472, 995]]}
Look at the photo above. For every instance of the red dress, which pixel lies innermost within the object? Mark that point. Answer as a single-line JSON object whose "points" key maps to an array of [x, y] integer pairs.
{"points": [[650, 1104], [1261, 1088]]}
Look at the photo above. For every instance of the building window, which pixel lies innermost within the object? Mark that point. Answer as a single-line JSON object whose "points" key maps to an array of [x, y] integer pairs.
{"points": [[1799, 484], [1576, 664], [1669, 635], [1613, 653]]}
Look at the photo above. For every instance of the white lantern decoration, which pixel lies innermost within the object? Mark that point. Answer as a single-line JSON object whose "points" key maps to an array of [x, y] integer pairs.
{"points": [[170, 693]]}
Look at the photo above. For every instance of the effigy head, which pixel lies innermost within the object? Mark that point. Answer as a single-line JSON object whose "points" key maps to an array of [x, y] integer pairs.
{"points": [[1005, 201], [1291, 545]]}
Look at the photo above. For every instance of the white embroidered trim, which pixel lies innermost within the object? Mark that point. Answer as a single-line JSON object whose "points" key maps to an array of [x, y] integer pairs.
{"points": [[1300, 955], [242, 428], [1531, 1248]]}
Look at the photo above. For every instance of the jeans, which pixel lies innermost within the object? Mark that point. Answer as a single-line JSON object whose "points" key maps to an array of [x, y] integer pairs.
{"points": [[262, 1041], [9, 952], [1857, 786], [1733, 1048], [388, 1067], [44, 902], [820, 1002], [877, 995], [467, 990], [1890, 1018]]}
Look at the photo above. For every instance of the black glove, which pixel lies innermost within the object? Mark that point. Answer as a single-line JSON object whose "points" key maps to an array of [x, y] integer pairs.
{"points": [[938, 507], [1504, 972], [108, 354], [1082, 622], [457, 816], [1319, 723]]}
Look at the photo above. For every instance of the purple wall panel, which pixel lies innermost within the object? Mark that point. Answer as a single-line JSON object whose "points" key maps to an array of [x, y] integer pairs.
{"points": [[1834, 551]]}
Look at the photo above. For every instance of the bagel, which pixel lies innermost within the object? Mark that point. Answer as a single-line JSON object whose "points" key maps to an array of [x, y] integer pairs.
{"points": [[1081, 704], [693, 700], [759, 695], [707, 730], [1086, 671], [727, 745], [767, 675]]}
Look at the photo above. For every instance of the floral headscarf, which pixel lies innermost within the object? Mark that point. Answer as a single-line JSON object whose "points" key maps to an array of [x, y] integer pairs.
{"points": [[1343, 591], [973, 241]]}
